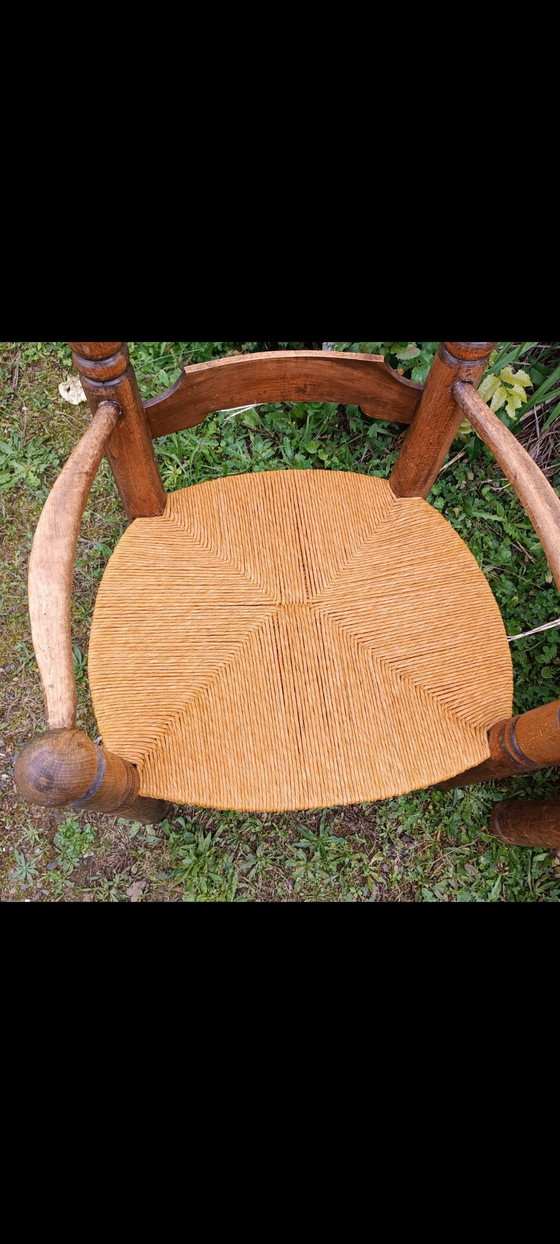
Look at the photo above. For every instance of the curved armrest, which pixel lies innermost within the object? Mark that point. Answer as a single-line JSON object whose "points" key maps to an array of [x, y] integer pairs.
{"points": [[62, 766], [51, 568], [536, 495]]}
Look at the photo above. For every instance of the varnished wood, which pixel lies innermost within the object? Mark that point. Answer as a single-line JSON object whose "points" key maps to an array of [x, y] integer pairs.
{"points": [[438, 419], [524, 823], [108, 376], [469, 351], [95, 349], [56, 768], [63, 767], [519, 745], [283, 376], [51, 568], [537, 736], [103, 369], [533, 489]]}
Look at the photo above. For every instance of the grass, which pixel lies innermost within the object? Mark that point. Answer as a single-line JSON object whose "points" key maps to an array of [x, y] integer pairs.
{"points": [[425, 847]]}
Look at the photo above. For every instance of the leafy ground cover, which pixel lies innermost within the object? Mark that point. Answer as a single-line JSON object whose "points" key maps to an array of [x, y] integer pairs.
{"points": [[425, 847]]}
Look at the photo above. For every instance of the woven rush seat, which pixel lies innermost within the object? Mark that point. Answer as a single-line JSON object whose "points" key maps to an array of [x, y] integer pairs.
{"points": [[296, 639]]}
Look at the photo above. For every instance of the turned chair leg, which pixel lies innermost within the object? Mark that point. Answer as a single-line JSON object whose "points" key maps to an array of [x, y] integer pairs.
{"points": [[521, 823], [63, 767], [438, 417]]}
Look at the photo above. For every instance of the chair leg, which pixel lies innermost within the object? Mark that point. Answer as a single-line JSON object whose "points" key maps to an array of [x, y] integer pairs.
{"points": [[528, 823], [63, 767]]}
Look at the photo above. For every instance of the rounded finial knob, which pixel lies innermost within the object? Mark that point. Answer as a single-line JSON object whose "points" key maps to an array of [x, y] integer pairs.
{"points": [[469, 351], [57, 768], [95, 349], [100, 361]]}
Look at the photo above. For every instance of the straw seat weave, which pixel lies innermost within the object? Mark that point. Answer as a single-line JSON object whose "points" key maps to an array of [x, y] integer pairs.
{"points": [[296, 639]]}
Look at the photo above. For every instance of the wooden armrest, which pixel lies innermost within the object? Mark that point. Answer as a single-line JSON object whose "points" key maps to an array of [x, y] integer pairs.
{"points": [[51, 568], [63, 766], [536, 495]]}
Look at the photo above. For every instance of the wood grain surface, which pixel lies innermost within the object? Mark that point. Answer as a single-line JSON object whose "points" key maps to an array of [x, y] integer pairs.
{"points": [[438, 419], [51, 568], [283, 376]]}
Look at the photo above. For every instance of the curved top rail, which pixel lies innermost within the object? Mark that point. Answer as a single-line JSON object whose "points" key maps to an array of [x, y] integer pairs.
{"points": [[283, 376]]}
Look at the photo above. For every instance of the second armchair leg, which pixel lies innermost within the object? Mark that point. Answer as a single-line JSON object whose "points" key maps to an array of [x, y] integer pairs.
{"points": [[527, 823]]}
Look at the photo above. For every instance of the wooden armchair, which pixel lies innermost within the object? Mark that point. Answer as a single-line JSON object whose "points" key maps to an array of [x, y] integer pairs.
{"points": [[290, 639]]}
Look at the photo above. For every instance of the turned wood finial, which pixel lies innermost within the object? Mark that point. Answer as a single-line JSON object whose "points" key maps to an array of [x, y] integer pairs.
{"points": [[470, 351], [100, 361], [95, 349], [108, 376], [63, 767], [56, 768]]}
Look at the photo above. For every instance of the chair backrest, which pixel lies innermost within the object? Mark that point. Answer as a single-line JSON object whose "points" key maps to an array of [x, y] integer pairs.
{"points": [[311, 375]]}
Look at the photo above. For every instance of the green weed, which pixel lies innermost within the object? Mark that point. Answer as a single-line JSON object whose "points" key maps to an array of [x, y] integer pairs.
{"points": [[73, 841], [203, 870], [25, 870], [24, 463]]}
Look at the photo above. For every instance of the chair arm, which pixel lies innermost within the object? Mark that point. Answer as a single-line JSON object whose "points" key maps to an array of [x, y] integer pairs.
{"points": [[51, 568], [532, 741], [536, 495], [63, 766]]}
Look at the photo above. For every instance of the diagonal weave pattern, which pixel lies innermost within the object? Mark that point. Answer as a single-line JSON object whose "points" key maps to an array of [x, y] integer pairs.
{"points": [[296, 639]]}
